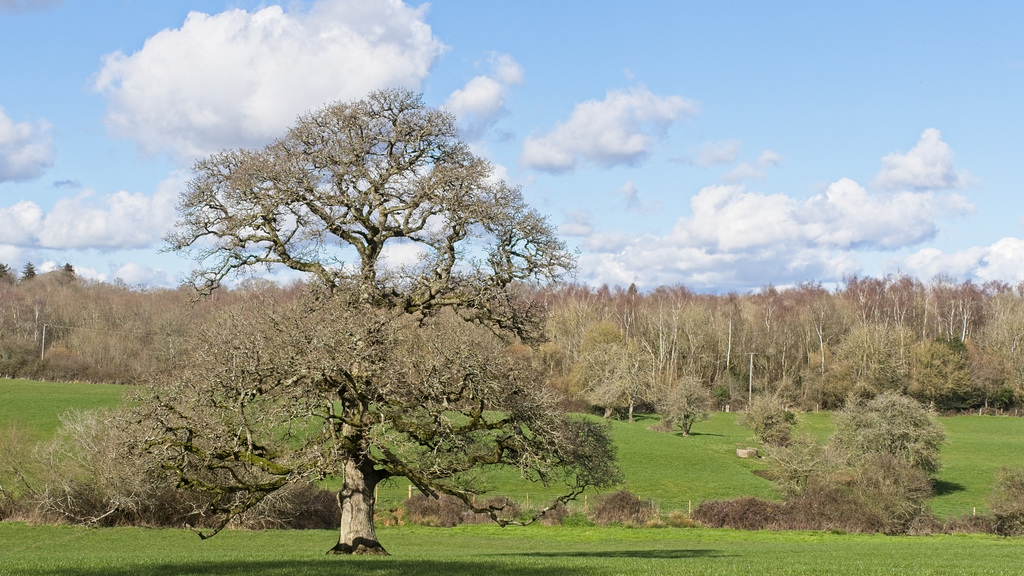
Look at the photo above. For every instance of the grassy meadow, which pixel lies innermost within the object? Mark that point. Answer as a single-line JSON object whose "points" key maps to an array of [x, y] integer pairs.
{"points": [[35, 407], [485, 549], [669, 469]]}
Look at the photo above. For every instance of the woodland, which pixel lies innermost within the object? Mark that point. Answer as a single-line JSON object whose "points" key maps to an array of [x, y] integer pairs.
{"points": [[953, 346]]}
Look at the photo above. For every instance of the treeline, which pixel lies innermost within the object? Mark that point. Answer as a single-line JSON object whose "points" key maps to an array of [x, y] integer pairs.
{"points": [[57, 326], [952, 345], [949, 344]]}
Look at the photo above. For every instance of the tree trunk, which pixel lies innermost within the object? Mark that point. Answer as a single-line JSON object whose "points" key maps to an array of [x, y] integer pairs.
{"points": [[356, 500]]}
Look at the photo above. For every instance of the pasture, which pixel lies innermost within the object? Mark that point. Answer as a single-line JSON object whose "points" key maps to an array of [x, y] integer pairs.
{"points": [[669, 469], [484, 549]]}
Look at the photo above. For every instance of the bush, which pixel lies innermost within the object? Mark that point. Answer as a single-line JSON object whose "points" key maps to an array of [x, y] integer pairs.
{"points": [[555, 516], [1007, 502], [504, 508], [770, 421], [444, 511], [677, 519], [297, 506], [893, 424], [623, 507], [741, 514], [885, 495]]}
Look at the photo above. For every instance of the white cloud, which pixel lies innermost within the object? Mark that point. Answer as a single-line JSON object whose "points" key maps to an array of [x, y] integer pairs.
{"points": [[398, 254], [25, 149], [712, 153], [621, 129], [111, 222], [769, 158], [578, 224], [139, 275], [20, 223], [1003, 261], [239, 78], [632, 196], [927, 166], [739, 238], [482, 100], [9, 254], [756, 171]]}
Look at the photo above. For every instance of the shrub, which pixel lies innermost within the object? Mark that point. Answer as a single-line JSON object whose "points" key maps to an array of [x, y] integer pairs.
{"points": [[298, 506], [1007, 502], [982, 524], [741, 514], [885, 495], [891, 491], [443, 511], [893, 424], [556, 515], [771, 422], [677, 519], [504, 508], [622, 507]]}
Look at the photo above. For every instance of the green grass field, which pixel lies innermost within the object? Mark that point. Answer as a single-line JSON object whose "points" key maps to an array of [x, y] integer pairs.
{"points": [[35, 407], [483, 549], [669, 469]]}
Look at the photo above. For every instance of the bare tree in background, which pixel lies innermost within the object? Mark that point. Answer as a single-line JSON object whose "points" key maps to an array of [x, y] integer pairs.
{"points": [[416, 369]]}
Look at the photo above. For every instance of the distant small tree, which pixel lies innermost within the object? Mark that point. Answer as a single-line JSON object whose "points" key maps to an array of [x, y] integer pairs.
{"points": [[684, 404], [28, 272], [891, 423], [611, 372], [771, 422], [6, 274], [942, 376]]}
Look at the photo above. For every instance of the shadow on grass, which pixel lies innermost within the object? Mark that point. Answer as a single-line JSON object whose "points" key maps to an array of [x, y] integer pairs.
{"points": [[943, 487], [329, 565], [634, 554]]}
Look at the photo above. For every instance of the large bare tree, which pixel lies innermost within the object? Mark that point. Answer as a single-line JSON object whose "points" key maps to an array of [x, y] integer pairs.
{"points": [[395, 366]]}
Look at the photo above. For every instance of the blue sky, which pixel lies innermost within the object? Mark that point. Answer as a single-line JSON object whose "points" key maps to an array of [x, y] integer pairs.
{"points": [[720, 145]]}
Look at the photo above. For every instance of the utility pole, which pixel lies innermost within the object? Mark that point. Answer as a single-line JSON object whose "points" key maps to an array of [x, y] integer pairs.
{"points": [[750, 380]]}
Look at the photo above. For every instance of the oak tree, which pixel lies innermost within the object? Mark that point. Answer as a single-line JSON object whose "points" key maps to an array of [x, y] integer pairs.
{"points": [[393, 366]]}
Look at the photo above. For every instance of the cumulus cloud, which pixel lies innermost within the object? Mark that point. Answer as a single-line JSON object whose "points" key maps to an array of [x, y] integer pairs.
{"points": [[481, 101], [735, 237], [239, 78], [621, 129], [111, 222], [1002, 260], [25, 148], [135, 274], [927, 166]]}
